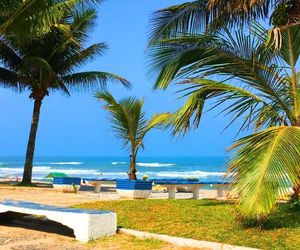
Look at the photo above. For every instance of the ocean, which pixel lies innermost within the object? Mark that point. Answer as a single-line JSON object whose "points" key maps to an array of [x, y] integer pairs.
{"points": [[203, 168]]}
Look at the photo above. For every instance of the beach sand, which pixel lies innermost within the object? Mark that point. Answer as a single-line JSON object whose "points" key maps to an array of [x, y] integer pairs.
{"points": [[47, 195], [29, 234]]}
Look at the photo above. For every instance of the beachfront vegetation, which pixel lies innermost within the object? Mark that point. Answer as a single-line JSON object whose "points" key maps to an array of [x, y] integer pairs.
{"points": [[51, 63], [259, 81], [130, 125], [205, 220]]}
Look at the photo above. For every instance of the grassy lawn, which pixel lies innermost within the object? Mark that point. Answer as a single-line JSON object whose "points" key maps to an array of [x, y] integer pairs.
{"points": [[128, 242], [205, 220]]}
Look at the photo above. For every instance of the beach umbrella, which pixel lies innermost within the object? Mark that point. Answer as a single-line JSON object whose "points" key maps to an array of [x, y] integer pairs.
{"points": [[56, 174]]}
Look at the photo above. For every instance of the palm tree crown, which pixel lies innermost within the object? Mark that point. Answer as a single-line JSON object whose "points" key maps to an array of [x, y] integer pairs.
{"points": [[31, 18], [196, 16], [130, 124], [260, 84], [51, 63]]}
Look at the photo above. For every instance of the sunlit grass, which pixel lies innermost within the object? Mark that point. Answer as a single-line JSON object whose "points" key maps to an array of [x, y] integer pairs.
{"points": [[205, 220], [128, 242]]}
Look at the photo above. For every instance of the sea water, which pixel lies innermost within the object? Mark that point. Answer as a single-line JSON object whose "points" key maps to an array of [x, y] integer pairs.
{"points": [[203, 168]]}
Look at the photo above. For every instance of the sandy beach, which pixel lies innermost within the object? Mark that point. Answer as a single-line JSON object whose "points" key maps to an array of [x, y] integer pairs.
{"points": [[47, 195], [41, 234]]}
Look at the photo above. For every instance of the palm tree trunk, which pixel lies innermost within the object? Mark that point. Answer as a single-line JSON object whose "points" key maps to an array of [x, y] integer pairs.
{"points": [[132, 170], [27, 174]]}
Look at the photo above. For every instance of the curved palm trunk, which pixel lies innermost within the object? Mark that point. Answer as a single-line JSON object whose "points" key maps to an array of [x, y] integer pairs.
{"points": [[132, 170], [27, 174]]}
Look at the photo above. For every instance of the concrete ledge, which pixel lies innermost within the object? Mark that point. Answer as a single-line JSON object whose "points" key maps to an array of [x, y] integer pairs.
{"points": [[184, 242], [86, 224]]}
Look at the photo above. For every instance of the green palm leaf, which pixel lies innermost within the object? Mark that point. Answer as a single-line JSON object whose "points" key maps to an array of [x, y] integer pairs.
{"points": [[129, 123], [264, 167], [90, 80], [32, 18], [257, 83]]}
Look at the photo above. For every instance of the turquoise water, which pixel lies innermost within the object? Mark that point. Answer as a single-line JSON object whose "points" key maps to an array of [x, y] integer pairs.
{"points": [[203, 168]]}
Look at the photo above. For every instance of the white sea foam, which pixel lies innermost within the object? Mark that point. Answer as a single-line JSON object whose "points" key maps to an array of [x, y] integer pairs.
{"points": [[9, 170], [36, 168], [66, 163], [116, 174], [154, 164], [188, 174], [39, 170], [118, 162]]}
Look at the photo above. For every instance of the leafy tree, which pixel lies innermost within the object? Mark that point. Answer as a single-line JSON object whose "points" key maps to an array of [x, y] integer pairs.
{"points": [[130, 124], [260, 85], [51, 63]]}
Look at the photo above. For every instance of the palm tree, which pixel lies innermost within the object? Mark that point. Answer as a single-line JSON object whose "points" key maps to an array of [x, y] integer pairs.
{"points": [[31, 18], [197, 16], [130, 124], [260, 85], [50, 63]]}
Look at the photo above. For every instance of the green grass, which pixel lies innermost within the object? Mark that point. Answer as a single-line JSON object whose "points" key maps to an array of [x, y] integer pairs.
{"points": [[205, 220], [127, 242]]}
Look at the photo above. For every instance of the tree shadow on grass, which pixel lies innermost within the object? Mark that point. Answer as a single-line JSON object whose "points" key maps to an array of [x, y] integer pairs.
{"points": [[282, 217], [213, 202]]}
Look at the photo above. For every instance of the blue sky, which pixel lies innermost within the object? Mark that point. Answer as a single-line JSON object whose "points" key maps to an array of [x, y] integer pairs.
{"points": [[77, 125]]}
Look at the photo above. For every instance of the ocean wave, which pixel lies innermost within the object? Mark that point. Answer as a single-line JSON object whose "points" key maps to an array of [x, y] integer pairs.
{"points": [[46, 170], [118, 162], [41, 168], [17, 170], [189, 174], [154, 164], [114, 174], [11, 169], [67, 163]]}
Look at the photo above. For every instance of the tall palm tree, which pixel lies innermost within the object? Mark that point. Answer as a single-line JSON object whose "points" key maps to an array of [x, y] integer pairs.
{"points": [[260, 85], [130, 124], [197, 16], [35, 17], [50, 63]]}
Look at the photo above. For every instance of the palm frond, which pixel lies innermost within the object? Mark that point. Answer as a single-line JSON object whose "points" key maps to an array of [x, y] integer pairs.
{"points": [[199, 16], [83, 24], [128, 120], [190, 17], [264, 167], [12, 80], [37, 17], [86, 81], [156, 121], [71, 61], [240, 57], [125, 117], [9, 57]]}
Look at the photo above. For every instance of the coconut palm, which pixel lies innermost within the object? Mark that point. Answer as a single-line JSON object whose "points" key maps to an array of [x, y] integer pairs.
{"points": [[260, 85], [197, 16], [130, 124], [35, 17], [51, 63]]}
